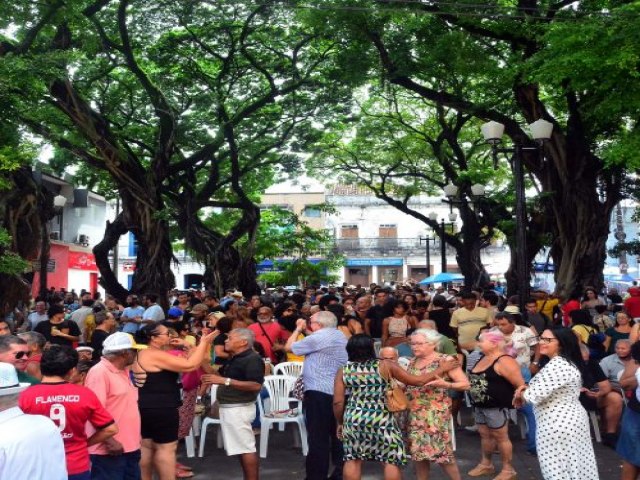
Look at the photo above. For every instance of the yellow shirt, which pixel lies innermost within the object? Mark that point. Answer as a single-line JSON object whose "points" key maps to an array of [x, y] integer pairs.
{"points": [[292, 357], [469, 323], [548, 304]]}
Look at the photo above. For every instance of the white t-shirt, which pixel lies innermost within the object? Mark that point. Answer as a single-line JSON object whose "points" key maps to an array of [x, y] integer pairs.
{"points": [[30, 447]]}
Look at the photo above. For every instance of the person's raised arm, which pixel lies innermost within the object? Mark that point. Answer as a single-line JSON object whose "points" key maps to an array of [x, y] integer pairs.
{"points": [[402, 376], [179, 364], [301, 325]]}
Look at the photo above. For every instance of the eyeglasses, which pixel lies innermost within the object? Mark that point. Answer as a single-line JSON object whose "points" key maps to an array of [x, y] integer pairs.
{"points": [[546, 339], [21, 354]]}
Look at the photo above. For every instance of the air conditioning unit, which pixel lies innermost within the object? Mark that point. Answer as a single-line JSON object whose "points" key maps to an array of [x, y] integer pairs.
{"points": [[54, 235], [83, 240]]}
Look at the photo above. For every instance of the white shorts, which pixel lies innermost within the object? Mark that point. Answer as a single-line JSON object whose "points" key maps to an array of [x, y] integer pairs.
{"points": [[237, 433]]}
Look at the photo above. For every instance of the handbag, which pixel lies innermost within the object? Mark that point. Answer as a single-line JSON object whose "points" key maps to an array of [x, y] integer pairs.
{"points": [[395, 398], [297, 391]]}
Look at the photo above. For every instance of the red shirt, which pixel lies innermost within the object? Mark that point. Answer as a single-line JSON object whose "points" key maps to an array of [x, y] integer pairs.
{"points": [[70, 407], [632, 306], [274, 334]]}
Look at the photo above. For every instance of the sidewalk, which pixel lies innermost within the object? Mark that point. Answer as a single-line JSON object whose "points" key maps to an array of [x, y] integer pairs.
{"points": [[287, 463]]}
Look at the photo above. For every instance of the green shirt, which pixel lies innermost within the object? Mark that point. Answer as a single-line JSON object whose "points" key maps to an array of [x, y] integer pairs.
{"points": [[26, 378], [447, 347]]}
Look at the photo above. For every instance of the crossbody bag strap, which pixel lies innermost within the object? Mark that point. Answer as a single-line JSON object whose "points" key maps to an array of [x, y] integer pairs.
{"points": [[265, 334]]}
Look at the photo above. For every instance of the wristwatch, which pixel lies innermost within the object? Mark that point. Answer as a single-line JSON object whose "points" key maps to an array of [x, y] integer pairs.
{"points": [[227, 382]]}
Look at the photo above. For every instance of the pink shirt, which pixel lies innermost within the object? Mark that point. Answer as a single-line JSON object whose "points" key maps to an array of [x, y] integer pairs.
{"points": [[115, 391]]}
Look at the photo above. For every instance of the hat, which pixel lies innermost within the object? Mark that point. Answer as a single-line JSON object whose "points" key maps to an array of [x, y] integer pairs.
{"points": [[175, 312], [237, 293], [9, 380], [119, 341], [512, 309], [84, 348]]}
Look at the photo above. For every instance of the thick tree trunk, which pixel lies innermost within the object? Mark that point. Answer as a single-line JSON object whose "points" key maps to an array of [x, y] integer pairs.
{"points": [[108, 278], [20, 216], [468, 255]]}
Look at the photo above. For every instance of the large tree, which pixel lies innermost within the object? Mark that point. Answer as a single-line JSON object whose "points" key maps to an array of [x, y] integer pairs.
{"points": [[186, 105], [514, 64]]}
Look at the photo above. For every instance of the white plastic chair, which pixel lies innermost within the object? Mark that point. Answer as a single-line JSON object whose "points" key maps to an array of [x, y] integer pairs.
{"points": [[210, 421], [292, 369], [280, 411]]}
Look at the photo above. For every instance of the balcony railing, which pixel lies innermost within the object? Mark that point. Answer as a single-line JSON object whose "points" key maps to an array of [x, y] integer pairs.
{"points": [[394, 246]]}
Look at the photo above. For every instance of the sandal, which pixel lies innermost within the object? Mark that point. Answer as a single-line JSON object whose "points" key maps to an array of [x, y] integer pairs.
{"points": [[180, 466], [183, 473], [506, 475], [480, 470]]}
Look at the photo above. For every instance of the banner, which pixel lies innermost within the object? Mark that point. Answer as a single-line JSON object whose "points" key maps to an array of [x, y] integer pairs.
{"points": [[82, 261]]}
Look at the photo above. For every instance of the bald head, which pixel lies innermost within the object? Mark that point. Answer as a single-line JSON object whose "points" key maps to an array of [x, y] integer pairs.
{"points": [[388, 353]]}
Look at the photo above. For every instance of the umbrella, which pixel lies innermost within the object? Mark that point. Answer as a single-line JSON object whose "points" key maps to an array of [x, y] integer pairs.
{"points": [[442, 277], [619, 278]]}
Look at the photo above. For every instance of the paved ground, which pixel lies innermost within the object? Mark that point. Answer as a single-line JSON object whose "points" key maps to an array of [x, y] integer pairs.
{"points": [[285, 462]]}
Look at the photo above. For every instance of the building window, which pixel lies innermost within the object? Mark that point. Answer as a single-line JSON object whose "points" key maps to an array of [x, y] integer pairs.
{"points": [[388, 231], [349, 231], [311, 212]]}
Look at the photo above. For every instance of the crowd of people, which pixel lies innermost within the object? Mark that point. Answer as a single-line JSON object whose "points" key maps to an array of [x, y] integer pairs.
{"points": [[119, 384]]}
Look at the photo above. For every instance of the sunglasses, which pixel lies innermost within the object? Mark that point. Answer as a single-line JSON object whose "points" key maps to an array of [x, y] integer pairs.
{"points": [[19, 355]]}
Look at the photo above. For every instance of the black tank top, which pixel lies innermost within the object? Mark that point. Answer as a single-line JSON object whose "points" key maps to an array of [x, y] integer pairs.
{"points": [[490, 390], [157, 389]]}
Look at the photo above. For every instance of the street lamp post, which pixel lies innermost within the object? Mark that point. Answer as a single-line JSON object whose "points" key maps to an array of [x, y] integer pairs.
{"points": [[427, 239], [540, 131]]}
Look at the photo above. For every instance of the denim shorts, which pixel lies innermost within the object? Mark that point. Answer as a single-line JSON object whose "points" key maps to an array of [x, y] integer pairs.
{"points": [[493, 418]]}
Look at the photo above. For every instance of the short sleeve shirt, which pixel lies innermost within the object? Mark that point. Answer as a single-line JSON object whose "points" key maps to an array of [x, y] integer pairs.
{"points": [[469, 322], [115, 391], [70, 407], [154, 312], [132, 312], [67, 326], [246, 366]]}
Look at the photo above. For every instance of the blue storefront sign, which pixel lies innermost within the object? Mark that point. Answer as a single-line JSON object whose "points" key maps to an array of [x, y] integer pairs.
{"points": [[276, 266], [380, 262]]}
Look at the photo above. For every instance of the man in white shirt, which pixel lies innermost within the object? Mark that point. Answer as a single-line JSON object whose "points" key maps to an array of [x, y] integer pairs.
{"points": [[39, 315], [80, 317], [20, 433], [153, 313]]}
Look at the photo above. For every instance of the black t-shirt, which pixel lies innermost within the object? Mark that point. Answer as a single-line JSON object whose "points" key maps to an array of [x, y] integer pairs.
{"points": [[66, 326], [246, 366], [376, 315], [219, 340], [442, 318], [97, 339], [591, 376]]}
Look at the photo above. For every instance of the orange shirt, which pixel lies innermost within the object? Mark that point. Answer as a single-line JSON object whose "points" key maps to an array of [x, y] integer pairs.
{"points": [[119, 397]]}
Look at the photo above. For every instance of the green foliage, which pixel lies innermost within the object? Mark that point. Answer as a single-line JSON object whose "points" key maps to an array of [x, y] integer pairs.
{"points": [[10, 262], [301, 272]]}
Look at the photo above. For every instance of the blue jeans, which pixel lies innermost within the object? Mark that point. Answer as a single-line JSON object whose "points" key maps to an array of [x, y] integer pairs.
{"points": [[116, 467], [527, 411]]}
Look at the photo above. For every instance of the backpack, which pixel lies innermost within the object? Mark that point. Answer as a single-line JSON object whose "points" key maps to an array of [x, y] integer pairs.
{"points": [[595, 342]]}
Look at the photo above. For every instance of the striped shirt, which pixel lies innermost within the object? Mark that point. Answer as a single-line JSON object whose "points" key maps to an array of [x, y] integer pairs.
{"points": [[325, 352]]}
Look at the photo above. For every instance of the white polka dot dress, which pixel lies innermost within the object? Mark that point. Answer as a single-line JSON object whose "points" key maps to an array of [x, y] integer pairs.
{"points": [[563, 438]]}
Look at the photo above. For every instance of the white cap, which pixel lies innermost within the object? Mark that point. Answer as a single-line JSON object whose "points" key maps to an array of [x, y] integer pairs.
{"points": [[9, 380], [119, 341], [84, 348]]}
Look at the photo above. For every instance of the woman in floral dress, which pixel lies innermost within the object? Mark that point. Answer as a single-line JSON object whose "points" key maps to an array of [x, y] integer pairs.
{"points": [[367, 429], [430, 407]]}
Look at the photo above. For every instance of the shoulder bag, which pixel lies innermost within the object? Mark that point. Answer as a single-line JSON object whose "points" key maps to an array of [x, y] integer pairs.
{"points": [[395, 398]]}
